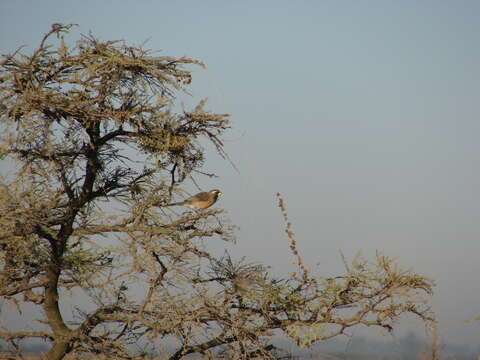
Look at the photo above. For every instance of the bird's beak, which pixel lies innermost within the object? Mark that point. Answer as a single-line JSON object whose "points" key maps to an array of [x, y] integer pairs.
{"points": [[220, 193]]}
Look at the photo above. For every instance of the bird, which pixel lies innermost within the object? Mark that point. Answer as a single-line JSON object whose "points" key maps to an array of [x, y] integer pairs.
{"points": [[201, 200], [242, 285]]}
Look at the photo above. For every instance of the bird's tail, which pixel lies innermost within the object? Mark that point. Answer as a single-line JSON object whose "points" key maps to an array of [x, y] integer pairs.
{"points": [[175, 204]]}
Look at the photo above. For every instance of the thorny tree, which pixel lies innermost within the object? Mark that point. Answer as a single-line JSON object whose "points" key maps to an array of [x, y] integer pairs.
{"points": [[98, 150]]}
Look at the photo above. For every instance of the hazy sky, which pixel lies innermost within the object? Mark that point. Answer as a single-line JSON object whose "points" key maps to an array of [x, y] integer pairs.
{"points": [[364, 114]]}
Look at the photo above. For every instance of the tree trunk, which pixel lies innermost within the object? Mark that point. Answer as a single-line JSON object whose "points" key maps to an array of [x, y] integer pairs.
{"points": [[58, 350], [61, 332]]}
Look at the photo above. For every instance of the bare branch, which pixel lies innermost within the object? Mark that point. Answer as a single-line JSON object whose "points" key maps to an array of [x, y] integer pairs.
{"points": [[8, 336]]}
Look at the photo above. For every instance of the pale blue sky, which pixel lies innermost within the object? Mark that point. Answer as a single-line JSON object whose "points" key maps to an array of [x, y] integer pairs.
{"points": [[364, 114]]}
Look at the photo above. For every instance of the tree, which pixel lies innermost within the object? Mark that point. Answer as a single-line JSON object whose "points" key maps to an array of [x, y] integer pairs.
{"points": [[98, 152]]}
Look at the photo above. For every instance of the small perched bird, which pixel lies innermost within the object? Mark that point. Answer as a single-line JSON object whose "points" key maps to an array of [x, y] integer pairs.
{"points": [[201, 200], [242, 285]]}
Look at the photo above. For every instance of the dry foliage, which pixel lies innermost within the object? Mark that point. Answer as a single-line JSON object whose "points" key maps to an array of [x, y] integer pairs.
{"points": [[98, 150]]}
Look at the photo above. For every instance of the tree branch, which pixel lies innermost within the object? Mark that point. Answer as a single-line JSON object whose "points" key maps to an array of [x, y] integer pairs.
{"points": [[8, 336], [5, 291], [201, 348]]}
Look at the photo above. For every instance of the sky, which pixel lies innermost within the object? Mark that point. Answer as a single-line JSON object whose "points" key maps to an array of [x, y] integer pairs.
{"points": [[363, 114]]}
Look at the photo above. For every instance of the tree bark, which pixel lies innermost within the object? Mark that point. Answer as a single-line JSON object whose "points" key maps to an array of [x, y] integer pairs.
{"points": [[62, 334]]}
